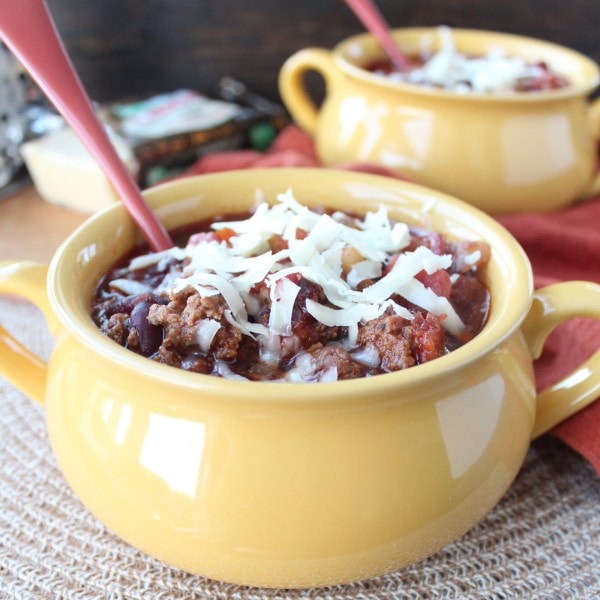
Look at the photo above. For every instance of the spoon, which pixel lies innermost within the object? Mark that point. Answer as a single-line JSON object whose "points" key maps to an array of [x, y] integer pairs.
{"points": [[28, 30], [373, 20]]}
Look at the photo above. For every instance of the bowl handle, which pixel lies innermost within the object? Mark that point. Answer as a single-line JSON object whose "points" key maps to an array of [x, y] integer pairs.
{"points": [[18, 364], [292, 87], [594, 186], [552, 305]]}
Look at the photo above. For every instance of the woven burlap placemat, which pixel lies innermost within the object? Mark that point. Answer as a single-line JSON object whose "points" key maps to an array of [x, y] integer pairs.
{"points": [[541, 541]]}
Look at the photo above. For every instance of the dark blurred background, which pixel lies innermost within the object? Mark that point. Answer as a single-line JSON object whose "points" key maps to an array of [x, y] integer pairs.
{"points": [[124, 48]]}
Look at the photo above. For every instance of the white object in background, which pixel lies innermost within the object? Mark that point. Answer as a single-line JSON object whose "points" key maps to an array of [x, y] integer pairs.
{"points": [[64, 172]]}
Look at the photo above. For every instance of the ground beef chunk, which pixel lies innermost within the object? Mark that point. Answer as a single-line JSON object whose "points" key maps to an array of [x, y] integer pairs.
{"points": [[178, 332], [327, 357], [191, 361], [179, 321], [392, 338], [116, 328], [403, 343], [194, 307], [227, 342], [305, 327]]}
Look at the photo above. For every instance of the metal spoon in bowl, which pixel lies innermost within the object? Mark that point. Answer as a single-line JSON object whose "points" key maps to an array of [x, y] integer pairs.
{"points": [[373, 20], [28, 30]]}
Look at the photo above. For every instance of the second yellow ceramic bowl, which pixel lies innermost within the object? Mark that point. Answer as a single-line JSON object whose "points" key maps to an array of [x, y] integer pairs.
{"points": [[502, 153]]}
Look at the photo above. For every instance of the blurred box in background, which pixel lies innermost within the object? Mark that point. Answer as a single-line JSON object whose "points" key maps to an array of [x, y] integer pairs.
{"points": [[13, 120]]}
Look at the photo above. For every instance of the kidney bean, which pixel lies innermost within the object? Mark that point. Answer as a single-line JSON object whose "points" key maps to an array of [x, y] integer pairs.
{"points": [[150, 336], [471, 299], [197, 362]]}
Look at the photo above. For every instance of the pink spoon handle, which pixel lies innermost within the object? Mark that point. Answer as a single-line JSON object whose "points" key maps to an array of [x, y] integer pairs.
{"points": [[372, 19], [29, 31]]}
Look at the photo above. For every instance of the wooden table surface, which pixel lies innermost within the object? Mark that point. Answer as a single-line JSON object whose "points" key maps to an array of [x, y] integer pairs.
{"points": [[33, 229]]}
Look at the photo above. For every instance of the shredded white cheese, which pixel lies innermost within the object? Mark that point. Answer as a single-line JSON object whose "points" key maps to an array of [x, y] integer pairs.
{"points": [[473, 258], [315, 248], [368, 356], [404, 269], [269, 349], [283, 296], [450, 69], [207, 329], [147, 260], [365, 269], [222, 369], [129, 286]]}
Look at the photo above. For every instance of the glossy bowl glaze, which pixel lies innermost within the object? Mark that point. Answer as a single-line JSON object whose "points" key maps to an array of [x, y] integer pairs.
{"points": [[501, 153], [281, 484]]}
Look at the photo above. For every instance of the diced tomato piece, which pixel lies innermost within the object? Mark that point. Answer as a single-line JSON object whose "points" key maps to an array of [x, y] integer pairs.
{"points": [[436, 242], [225, 235], [439, 282], [220, 235], [428, 336]]}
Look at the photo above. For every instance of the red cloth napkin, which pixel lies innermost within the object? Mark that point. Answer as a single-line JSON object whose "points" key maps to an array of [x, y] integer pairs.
{"points": [[562, 245], [565, 245]]}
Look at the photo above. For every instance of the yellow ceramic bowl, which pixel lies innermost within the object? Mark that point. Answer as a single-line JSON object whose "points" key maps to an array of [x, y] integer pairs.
{"points": [[281, 484], [501, 153]]}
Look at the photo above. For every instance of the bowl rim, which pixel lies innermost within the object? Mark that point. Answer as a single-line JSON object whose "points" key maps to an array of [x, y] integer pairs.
{"points": [[339, 52], [503, 321]]}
